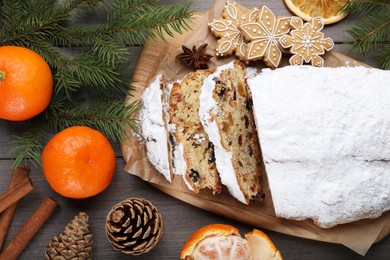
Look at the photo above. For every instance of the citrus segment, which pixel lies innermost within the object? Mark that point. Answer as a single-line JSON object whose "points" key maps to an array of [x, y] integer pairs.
{"points": [[232, 247], [78, 162], [224, 242], [26, 83], [211, 230], [328, 10]]}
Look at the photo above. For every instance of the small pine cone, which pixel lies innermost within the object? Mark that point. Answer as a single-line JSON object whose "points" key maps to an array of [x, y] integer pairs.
{"points": [[134, 226], [75, 241]]}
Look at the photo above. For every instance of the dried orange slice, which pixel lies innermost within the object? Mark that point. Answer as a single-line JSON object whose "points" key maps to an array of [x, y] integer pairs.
{"points": [[328, 10]]}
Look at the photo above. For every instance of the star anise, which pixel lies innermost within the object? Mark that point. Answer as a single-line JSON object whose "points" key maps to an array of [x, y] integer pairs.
{"points": [[197, 58]]}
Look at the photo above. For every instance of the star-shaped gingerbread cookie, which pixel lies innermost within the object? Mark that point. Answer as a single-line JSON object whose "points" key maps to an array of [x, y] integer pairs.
{"points": [[263, 37], [306, 41], [226, 28]]}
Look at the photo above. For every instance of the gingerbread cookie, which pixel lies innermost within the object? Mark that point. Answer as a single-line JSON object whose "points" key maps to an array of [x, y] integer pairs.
{"points": [[306, 41], [263, 37], [226, 28]]}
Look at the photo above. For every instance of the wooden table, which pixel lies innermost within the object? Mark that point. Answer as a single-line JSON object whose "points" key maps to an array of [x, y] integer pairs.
{"points": [[180, 219]]}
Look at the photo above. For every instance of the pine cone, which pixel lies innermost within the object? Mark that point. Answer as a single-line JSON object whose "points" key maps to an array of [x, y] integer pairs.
{"points": [[134, 226], [75, 241]]}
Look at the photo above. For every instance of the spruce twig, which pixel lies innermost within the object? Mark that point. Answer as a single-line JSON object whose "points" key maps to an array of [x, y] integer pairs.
{"points": [[367, 7], [372, 33], [28, 145], [85, 59], [384, 56], [110, 118]]}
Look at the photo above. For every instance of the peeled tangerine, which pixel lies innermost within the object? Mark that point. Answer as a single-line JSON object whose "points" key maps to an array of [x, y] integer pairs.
{"points": [[219, 241]]}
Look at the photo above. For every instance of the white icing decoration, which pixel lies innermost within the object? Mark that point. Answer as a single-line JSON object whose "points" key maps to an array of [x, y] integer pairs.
{"points": [[270, 34], [305, 36], [231, 23], [219, 26], [225, 47], [231, 10], [253, 14]]}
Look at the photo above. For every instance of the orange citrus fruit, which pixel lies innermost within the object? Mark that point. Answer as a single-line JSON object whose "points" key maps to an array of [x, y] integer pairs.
{"points": [[78, 162], [262, 246], [220, 241], [328, 10], [26, 83]]}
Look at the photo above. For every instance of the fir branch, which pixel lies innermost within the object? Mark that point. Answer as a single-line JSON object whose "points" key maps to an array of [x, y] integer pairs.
{"points": [[371, 32], [384, 57], [111, 118], [65, 82], [136, 27], [160, 20], [135, 9], [11, 13], [93, 73], [28, 146], [367, 7], [109, 52], [26, 24], [76, 8], [39, 8]]}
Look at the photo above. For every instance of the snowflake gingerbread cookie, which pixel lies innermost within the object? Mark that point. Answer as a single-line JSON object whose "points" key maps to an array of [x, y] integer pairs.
{"points": [[227, 29], [306, 42], [263, 37]]}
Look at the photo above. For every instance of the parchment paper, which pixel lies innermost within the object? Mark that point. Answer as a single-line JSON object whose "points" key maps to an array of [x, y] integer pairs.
{"points": [[159, 57]]}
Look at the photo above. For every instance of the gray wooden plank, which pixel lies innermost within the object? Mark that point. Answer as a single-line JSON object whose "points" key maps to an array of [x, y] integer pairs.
{"points": [[367, 59], [180, 220]]}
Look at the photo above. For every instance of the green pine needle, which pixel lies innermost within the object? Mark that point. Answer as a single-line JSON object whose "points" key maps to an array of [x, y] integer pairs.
{"points": [[372, 33], [111, 118], [28, 146], [384, 57], [87, 60], [367, 7]]}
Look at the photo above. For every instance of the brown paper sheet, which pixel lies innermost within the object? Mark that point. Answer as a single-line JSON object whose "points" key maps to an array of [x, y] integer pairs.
{"points": [[159, 57]]}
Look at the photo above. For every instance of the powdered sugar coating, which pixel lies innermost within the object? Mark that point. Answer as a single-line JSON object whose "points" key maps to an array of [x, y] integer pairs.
{"points": [[207, 107], [325, 138], [153, 127]]}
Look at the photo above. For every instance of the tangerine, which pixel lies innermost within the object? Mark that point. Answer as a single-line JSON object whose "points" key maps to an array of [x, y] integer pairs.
{"points": [[78, 162], [26, 83], [328, 10], [221, 241]]}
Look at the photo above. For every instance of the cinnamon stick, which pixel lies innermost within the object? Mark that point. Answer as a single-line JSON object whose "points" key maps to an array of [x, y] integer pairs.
{"points": [[15, 193], [20, 174], [29, 229]]}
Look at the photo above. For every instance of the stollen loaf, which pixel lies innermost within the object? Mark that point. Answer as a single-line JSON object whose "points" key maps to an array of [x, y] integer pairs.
{"points": [[325, 140]]}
